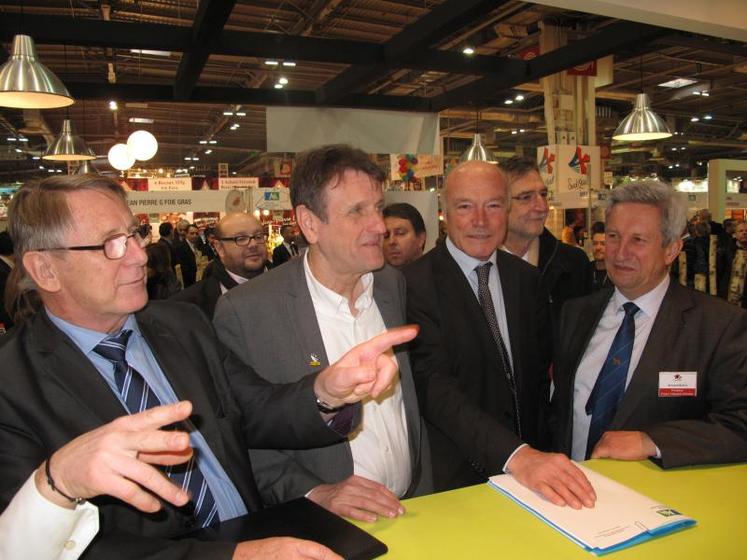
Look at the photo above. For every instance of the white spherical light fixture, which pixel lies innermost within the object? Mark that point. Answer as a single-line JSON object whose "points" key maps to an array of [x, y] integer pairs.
{"points": [[142, 144], [120, 157]]}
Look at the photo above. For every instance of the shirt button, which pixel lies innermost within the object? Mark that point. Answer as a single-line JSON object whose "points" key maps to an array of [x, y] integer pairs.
{"points": [[69, 545]]}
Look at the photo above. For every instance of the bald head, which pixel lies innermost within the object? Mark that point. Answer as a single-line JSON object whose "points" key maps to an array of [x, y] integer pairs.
{"points": [[245, 260], [476, 208]]}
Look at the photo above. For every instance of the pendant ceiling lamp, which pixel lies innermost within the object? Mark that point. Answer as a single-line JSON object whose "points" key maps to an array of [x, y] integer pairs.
{"points": [[86, 169], [25, 83], [68, 146], [120, 157], [476, 151], [642, 123], [142, 144]]}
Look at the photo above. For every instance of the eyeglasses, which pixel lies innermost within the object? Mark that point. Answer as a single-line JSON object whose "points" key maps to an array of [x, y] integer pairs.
{"points": [[529, 196], [114, 247], [244, 240]]}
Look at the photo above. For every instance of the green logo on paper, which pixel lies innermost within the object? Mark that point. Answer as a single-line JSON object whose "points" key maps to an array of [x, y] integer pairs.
{"points": [[272, 196], [668, 512]]}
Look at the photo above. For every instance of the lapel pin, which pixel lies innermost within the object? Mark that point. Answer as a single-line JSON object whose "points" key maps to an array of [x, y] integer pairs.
{"points": [[314, 361]]}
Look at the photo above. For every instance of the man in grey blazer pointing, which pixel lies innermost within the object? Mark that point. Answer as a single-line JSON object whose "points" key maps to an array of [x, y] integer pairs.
{"points": [[307, 313]]}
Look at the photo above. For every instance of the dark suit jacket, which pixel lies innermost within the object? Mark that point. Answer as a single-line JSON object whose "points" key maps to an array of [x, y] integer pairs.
{"points": [[463, 395], [171, 245], [692, 332], [186, 258], [563, 269], [280, 255], [51, 393], [4, 273], [271, 325]]}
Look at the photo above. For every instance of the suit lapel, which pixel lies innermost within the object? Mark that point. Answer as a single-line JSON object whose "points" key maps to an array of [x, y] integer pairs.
{"points": [[63, 362], [300, 309], [669, 321], [510, 288], [583, 327]]}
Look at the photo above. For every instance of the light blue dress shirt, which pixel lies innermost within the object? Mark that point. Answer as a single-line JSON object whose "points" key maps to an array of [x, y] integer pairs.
{"points": [[599, 346], [140, 356]]}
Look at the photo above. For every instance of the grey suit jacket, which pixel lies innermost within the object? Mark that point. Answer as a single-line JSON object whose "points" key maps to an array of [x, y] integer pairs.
{"points": [[270, 324], [692, 332]]}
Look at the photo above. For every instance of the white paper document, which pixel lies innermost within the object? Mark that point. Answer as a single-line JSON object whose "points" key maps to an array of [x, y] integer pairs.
{"points": [[620, 518]]}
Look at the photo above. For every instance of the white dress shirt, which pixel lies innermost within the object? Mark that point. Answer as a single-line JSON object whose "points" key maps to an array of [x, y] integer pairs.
{"points": [[239, 280], [33, 527], [599, 346], [379, 445]]}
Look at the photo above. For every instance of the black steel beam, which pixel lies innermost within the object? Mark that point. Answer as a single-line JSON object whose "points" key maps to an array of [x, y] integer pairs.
{"points": [[120, 35], [209, 20], [443, 20], [703, 44], [96, 33], [608, 40]]}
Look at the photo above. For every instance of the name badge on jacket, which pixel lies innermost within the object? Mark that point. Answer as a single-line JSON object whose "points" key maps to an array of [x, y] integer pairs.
{"points": [[678, 383]]}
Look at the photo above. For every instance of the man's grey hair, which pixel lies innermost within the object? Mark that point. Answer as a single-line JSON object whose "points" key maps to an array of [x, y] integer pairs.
{"points": [[672, 207]]}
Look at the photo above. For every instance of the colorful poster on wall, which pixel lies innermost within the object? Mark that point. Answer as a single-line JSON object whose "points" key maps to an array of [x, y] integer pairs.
{"points": [[411, 167], [569, 168]]}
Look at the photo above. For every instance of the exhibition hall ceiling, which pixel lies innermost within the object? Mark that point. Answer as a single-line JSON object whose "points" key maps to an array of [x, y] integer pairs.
{"points": [[193, 71]]}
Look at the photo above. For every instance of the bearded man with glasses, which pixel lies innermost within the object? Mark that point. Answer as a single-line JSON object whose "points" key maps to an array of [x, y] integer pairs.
{"points": [[240, 243]]}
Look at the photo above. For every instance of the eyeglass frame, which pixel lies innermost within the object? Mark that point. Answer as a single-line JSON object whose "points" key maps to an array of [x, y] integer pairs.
{"points": [[142, 242], [529, 196], [257, 237]]}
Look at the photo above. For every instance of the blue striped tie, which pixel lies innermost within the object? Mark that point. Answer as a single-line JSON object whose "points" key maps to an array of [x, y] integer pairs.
{"points": [[138, 396], [609, 389]]}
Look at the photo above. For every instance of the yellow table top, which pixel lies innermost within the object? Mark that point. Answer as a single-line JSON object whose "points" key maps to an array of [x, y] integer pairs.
{"points": [[479, 522]]}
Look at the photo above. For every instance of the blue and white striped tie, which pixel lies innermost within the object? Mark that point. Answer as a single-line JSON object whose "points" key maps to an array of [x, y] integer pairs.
{"points": [[138, 396]]}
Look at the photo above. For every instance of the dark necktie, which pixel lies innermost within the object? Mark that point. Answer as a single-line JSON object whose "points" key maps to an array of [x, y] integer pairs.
{"points": [[609, 389], [138, 396], [488, 309]]}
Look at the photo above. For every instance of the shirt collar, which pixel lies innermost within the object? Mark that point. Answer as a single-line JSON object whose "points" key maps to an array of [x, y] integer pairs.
{"points": [[236, 277], [87, 339], [6, 260], [331, 300], [649, 303], [466, 262]]}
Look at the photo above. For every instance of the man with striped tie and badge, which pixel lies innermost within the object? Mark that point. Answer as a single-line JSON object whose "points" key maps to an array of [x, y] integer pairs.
{"points": [[88, 350], [649, 368]]}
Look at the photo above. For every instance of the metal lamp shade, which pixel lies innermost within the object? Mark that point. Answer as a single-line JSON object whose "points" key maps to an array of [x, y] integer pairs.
{"points": [[642, 123], [68, 146], [477, 152], [25, 83], [86, 169]]}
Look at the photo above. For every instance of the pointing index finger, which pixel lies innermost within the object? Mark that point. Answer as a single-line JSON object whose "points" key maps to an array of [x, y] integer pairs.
{"points": [[384, 341]]}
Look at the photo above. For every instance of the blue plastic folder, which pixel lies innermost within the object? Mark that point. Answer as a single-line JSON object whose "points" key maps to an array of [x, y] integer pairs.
{"points": [[620, 518]]}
